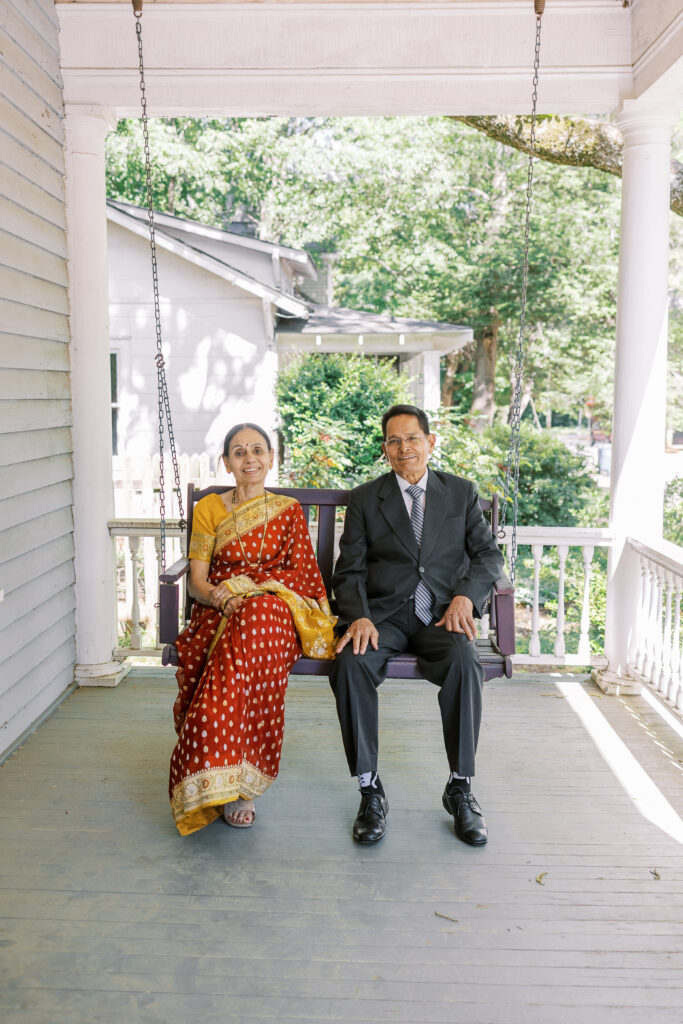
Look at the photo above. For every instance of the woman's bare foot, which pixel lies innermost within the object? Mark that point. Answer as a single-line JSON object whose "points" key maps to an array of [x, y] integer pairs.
{"points": [[239, 813]]}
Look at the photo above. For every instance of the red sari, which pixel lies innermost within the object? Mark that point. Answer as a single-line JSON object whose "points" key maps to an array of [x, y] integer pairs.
{"points": [[229, 713]]}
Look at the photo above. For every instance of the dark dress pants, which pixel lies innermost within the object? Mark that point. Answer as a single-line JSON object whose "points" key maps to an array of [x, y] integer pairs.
{"points": [[449, 660]]}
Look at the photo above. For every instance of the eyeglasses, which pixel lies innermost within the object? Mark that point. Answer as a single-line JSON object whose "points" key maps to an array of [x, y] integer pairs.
{"points": [[412, 441]]}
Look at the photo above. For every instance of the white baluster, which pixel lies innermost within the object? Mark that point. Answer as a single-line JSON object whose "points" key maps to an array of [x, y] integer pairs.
{"points": [[676, 695], [665, 683], [677, 658], [135, 632], [535, 643], [655, 668], [584, 637], [640, 658], [484, 625], [562, 552], [640, 632], [649, 659]]}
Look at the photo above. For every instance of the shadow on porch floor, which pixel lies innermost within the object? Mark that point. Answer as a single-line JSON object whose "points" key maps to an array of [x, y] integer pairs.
{"points": [[571, 913]]}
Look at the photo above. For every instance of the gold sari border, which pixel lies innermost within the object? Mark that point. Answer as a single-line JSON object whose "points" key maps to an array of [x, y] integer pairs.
{"points": [[249, 516], [197, 800]]}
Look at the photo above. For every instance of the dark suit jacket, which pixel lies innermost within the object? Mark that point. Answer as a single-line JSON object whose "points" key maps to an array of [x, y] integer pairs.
{"points": [[380, 564]]}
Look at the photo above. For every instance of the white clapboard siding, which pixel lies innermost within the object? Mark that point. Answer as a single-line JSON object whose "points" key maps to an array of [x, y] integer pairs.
{"points": [[21, 478], [31, 695], [35, 649], [35, 415], [32, 35], [32, 353], [36, 514], [31, 259], [56, 595], [23, 508], [36, 384], [26, 224], [33, 168], [18, 318], [32, 291], [33, 444], [31, 197], [24, 65], [49, 528], [29, 567]]}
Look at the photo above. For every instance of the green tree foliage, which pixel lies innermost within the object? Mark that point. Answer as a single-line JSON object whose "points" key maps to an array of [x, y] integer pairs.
{"points": [[331, 406], [425, 215], [673, 511]]}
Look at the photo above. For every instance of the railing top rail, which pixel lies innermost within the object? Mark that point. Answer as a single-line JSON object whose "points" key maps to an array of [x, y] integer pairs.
{"points": [[134, 527], [663, 553], [573, 535]]}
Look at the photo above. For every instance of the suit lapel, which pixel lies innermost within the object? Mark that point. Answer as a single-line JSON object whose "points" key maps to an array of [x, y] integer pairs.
{"points": [[393, 508], [436, 508]]}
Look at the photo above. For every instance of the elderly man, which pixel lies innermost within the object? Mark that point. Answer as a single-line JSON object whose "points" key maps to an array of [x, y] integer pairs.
{"points": [[417, 562]]}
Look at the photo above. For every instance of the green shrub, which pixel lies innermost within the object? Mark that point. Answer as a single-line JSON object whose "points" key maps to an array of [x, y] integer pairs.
{"points": [[673, 510], [331, 408]]}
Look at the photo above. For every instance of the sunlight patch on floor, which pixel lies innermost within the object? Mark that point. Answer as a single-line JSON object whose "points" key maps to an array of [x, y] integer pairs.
{"points": [[646, 796]]}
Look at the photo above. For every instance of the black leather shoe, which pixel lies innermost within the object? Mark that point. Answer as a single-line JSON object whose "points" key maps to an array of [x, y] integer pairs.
{"points": [[371, 820], [468, 821]]}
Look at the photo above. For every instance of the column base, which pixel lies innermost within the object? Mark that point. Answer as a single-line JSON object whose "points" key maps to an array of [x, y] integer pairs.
{"points": [[105, 673], [614, 684]]}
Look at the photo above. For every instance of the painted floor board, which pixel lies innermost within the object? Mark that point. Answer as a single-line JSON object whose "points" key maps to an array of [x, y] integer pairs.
{"points": [[107, 915]]}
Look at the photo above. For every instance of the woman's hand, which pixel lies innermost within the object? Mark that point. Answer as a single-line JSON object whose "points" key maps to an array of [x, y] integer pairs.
{"points": [[224, 602]]}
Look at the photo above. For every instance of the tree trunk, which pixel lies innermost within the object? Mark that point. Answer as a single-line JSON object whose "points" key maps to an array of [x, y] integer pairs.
{"points": [[455, 361], [483, 406]]}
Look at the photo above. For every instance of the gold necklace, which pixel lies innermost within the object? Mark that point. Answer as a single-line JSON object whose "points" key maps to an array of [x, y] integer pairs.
{"points": [[256, 564]]}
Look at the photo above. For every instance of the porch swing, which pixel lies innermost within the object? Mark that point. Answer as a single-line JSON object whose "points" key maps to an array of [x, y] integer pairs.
{"points": [[496, 649]]}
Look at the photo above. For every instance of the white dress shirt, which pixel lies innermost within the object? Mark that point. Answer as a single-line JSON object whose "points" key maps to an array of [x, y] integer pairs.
{"points": [[404, 485]]}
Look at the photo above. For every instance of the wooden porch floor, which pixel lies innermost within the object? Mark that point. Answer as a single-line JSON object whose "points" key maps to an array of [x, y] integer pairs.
{"points": [[108, 916]]}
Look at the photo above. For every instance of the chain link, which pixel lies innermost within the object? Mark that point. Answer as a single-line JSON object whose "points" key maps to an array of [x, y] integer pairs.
{"points": [[512, 464], [162, 387]]}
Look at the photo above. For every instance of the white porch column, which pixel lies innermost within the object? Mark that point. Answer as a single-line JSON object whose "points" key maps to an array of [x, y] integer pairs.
{"points": [[640, 370], [86, 128], [425, 369]]}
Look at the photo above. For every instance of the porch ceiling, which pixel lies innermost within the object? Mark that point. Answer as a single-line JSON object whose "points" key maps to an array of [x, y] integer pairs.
{"points": [[359, 57]]}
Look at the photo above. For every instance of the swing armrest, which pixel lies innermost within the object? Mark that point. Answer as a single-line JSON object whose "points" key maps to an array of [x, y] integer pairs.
{"points": [[175, 572], [503, 601]]}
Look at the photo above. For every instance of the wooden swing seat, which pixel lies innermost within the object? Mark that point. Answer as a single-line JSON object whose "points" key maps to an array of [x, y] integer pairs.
{"points": [[494, 650]]}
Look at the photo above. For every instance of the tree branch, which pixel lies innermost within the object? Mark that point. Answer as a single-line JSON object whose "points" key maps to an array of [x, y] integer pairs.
{"points": [[571, 141]]}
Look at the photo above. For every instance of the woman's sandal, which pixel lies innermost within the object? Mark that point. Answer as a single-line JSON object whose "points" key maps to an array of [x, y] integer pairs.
{"points": [[234, 807]]}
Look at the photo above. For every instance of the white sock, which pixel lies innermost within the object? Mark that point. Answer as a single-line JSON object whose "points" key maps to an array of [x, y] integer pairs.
{"points": [[367, 779], [463, 778]]}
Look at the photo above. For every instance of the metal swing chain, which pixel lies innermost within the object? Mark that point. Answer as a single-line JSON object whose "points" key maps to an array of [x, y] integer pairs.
{"points": [[162, 387], [512, 464]]}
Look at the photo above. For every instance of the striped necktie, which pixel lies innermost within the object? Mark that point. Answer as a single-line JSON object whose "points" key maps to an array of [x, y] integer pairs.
{"points": [[423, 597]]}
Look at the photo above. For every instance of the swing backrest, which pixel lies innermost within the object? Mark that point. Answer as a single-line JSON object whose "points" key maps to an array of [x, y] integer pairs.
{"points": [[325, 501]]}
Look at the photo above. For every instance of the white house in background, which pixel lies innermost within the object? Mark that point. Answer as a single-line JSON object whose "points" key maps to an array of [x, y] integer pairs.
{"points": [[232, 310]]}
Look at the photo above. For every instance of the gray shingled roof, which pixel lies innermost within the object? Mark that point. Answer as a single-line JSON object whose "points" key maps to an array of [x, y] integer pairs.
{"points": [[324, 320]]}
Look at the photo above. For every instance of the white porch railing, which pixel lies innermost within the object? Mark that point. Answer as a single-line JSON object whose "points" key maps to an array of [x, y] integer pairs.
{"points": [[656, 654], [138, 550], [554, 544]]}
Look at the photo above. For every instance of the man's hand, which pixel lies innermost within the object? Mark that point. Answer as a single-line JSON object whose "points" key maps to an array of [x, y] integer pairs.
{"points": [[362, 632], [458, 617]]}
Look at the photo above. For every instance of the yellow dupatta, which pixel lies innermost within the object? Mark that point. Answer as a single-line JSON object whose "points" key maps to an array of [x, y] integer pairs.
{"points": [[313, 619]]}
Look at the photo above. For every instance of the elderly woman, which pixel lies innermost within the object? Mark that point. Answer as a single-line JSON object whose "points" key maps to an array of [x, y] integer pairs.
{"points": [[259, 599]]}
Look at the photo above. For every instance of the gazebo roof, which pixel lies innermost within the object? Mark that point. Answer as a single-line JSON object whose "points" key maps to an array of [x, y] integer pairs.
{"points": [[342, 330]]}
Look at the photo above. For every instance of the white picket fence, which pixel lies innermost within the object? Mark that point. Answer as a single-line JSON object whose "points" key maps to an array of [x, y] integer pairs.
{"points": [[136, 482]]}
